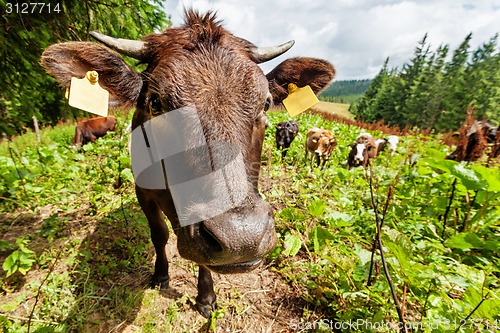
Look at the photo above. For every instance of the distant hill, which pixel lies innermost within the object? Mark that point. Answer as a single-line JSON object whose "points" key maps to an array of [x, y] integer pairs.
{"points": [[346, 91]]}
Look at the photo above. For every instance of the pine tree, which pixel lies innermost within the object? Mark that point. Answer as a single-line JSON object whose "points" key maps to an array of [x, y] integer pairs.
{"points": [[455, 100], [482, 78], [363, 109]]}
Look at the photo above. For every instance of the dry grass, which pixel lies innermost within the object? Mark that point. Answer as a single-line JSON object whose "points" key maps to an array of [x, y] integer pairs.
{"points": [[338, 109]]}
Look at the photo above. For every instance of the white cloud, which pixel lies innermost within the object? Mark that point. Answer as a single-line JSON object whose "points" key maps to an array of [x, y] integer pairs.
{"points": [[355, 35]]}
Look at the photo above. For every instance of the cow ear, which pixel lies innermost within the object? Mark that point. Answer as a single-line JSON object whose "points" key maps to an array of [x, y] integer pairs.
{"points": [[316, 73], [73, 59], [352, 145]]}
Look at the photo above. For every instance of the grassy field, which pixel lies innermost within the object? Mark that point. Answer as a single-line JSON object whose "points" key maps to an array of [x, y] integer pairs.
{"points": [[335, 108], [77, 255]]}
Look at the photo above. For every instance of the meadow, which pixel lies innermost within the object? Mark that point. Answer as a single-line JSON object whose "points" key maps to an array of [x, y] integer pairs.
{"points": [[413, 239]]}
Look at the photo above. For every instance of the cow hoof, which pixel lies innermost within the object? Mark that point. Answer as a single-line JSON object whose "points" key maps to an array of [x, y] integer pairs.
{"points": [[162, 282], [206, 309]]}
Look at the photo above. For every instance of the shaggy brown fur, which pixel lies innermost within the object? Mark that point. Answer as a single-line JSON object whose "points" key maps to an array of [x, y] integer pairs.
{"points": [[200, 66], [472, 140], [288, 71]]}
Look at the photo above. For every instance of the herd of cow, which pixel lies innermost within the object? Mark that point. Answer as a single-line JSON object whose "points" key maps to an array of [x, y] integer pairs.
{"points": [[321, 144], [202, 66]]}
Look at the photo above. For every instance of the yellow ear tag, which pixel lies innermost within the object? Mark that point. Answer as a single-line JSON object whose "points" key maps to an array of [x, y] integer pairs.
{"points": [[299, 99], [88, 95]]}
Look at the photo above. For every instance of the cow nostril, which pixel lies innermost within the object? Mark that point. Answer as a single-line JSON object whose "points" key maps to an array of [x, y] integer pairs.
{"points": [[209, 238]]}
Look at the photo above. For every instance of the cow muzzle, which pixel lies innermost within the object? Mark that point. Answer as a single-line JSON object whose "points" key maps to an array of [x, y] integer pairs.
{"points": [[233, 242]]}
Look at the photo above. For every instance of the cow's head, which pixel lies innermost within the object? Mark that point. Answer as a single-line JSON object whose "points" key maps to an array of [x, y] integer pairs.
{"points": [[286, 131], [326, 144], [362, 151], [203, 74]]}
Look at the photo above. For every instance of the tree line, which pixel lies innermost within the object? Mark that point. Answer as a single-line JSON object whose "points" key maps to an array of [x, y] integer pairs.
{"points": [[345, 91], [25, 89], [434, 89]]}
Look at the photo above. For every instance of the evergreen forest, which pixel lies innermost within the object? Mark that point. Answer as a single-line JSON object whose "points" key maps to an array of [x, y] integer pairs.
{"points": [[345, 91], [434, 89]]}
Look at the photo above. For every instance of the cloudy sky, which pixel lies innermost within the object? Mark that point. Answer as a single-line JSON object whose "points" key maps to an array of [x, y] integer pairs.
{"points": [[355, 35]]}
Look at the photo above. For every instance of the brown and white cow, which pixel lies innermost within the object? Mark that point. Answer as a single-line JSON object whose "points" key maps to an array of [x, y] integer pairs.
{"points": [[321, 143], [362, 151], [210, 80], [391, 141], [91, 129]]}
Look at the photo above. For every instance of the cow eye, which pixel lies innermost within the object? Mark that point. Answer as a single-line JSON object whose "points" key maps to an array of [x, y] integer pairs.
{"points": [[155, 106], [267, 105]]}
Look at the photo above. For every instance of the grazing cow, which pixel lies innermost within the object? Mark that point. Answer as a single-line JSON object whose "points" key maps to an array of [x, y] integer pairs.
{"points": [[362, 151], [472, 142], [320, 142], [286, 131], [392, 140], [380, 144], [197, 135], [91, 129]]}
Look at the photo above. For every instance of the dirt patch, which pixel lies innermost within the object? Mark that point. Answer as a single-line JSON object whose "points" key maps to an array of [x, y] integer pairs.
{"points": [[258, 301]]}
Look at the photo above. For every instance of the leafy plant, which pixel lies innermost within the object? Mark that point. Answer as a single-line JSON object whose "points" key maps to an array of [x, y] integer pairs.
{"points": [[21, 260], [88, 217]]}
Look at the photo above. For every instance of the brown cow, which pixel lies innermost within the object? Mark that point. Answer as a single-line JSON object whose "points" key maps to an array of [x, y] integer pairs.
{"points": [[204, 85], [320, 142], [362, 151], [91, 129], [473, 141]]}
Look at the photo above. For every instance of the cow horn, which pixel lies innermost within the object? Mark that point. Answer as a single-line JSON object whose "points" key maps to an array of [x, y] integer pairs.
{"points": [[263, 54], [128, 47]]}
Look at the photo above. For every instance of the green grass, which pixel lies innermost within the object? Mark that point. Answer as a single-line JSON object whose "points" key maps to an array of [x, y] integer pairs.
{"points": [[93, 256]]}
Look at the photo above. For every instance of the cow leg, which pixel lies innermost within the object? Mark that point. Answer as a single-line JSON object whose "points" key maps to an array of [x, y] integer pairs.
{"points": [[206, 301], [159, 236], [78, 139]]}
